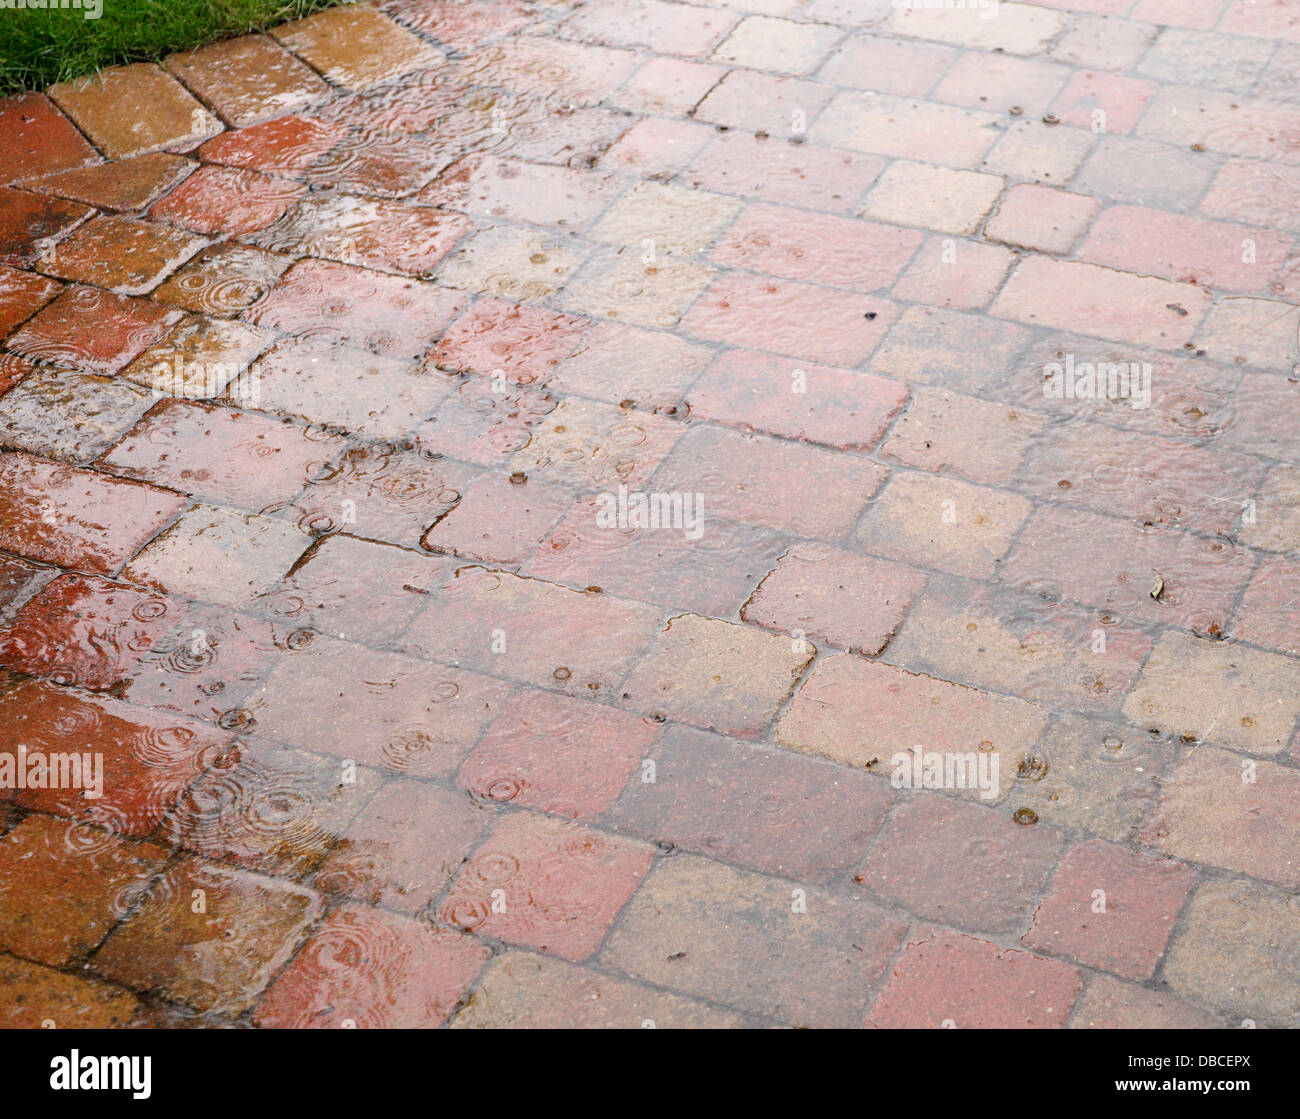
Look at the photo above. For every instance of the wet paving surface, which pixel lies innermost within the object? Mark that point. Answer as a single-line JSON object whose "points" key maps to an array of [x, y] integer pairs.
{"points": [[732, 514]]}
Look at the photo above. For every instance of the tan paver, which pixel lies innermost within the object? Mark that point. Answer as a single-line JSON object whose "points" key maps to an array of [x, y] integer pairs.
{"points": [[129, 110]]}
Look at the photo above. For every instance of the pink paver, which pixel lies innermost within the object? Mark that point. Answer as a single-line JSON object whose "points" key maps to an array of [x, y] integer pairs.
{"points": [[1211, 254], [370, 310], [781, 396], [1111, 909], [944, 978], [823, 250], [549, 885], [559, 755], [427, 972], [495, 337], [768, 314], [77, 518]]}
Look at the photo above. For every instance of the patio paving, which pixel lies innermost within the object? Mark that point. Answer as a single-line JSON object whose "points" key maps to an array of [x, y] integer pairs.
{"points": [[632, 513]]}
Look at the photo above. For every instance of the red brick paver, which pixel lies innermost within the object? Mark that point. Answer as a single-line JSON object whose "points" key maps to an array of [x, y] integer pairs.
{"points": [[545, 884], [367, 969], [1111, 909], [945, 978], [722, 513]]}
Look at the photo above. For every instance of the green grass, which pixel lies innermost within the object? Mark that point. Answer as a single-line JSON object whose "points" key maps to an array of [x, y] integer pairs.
{"points": [[41, 47]]}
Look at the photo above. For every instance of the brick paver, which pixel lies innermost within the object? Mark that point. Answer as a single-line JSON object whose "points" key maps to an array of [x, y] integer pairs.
{"points": [[70, 416], [542, 883], [992, 637], [1253, 931], [92, 329], [1221, 809], [126, 185], [128, 110], [992, 886], [374, 708], [35, 995], [716, 674], [557, 754], [219, 554], [39, 140], [855, 602], [238, 458], [826, 715], [364, 968], [703, 928], [270, 809], [520, 990], [657, 513], [66, 885], [104, 636], [1111, 909], [946, 978], [248, 79], [244, 927], [148, 757]]}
